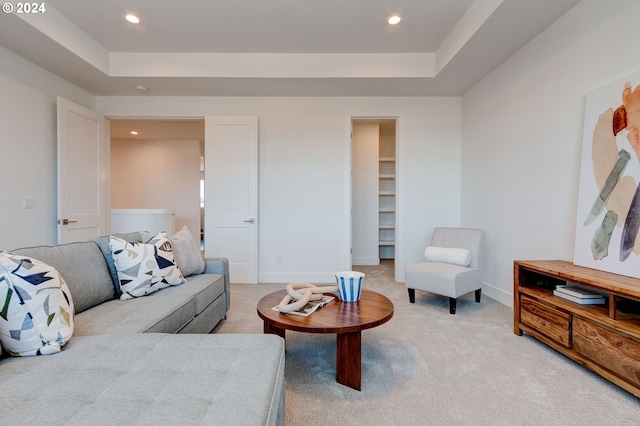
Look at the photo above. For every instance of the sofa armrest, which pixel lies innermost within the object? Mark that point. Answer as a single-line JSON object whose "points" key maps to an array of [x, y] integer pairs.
{"points": [[220, 265]]}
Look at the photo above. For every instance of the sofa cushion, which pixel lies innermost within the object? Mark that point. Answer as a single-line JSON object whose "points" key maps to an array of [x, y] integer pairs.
{"points": [[83, 268], [205, 288], [103, 245], [187, 253], [135, 316], [162, 315], [221, 379], [166, 311], [37, 308], [144, 268]]}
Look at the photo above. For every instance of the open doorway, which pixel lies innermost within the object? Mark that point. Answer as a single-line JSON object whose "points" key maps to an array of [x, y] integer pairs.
{"points": [[157, 165], [374, 149]]}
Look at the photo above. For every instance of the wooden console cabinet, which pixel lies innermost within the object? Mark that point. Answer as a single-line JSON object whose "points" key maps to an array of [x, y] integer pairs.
{"points": [[604, 338]]}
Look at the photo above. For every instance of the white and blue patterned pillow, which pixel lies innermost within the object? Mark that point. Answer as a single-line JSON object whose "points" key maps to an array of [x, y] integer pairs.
{"points": [[36, 309], [144, 268]]}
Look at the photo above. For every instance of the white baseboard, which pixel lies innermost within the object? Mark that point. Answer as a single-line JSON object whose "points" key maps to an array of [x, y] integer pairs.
{"points": [[495, 293], [297, 277], [498, 295], [370, 261]]}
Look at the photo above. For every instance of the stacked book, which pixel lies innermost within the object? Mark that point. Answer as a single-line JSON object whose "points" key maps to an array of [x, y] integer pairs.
{"points": [[579, 295]]}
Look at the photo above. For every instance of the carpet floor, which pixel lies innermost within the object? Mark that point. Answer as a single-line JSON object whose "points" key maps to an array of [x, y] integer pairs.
{"points": [[427, 367]]}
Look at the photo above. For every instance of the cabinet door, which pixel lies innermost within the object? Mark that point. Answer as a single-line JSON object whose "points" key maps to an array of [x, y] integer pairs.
{"points": [[618, 353], [547, 320]]}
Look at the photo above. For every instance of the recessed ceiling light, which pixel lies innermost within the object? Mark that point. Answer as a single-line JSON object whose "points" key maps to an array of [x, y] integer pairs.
{"points": [[394, 19], [134, 132], [132, 18]]}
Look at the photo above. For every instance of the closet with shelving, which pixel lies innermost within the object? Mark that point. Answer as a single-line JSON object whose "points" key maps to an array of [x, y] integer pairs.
{"points": [[373, 191], [387, 196]]}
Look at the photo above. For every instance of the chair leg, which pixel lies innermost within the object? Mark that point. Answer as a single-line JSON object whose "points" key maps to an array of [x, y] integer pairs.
{"points": [[452, 305], [412, 295], [478, 294]]}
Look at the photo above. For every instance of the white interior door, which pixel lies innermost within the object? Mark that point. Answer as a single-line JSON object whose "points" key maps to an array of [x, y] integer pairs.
{"points": [[364, 219], [82, 173], [231, 194]]}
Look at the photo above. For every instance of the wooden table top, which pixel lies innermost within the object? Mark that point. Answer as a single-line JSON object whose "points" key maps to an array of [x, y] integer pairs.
{"points": [[337, 316]]}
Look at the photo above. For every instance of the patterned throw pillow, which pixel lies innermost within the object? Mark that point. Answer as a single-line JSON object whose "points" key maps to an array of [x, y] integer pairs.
{"points": [[36, 316], [144, 268]]}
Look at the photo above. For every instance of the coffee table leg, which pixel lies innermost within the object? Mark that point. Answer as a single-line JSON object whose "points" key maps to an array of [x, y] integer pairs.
{"points": [[348, 359], [272, 329]]}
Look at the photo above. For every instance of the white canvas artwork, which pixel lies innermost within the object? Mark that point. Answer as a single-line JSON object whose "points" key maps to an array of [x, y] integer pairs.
{"points": [[608, 214]]}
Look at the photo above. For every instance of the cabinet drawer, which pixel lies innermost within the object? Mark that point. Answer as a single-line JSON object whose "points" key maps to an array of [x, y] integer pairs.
{"points": [[547, 320], [620, 354]]}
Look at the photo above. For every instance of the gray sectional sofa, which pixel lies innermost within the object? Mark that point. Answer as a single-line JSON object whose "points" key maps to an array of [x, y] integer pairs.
{"points": [[148, 360]]}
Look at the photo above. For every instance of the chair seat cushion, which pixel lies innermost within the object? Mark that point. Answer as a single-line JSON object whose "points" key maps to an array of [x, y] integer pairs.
{"points": [[445, 279]]}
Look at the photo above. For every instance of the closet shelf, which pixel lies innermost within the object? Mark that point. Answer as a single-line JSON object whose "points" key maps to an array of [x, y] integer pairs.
{"points": [[387, 180]]}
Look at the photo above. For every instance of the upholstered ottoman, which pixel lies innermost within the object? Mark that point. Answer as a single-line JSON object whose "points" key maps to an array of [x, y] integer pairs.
{"points": [[148, 378]]}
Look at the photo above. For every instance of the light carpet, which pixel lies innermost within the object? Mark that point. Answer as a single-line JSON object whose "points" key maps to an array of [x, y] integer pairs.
{"points": [[427, 367]]}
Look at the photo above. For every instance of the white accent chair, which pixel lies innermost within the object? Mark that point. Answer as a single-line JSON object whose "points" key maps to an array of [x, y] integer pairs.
{"points": [[450, 278]]}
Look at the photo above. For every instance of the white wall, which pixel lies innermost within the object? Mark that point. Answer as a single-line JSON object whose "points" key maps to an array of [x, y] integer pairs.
{"points": [[304, 163], [304, 160], [28, 149], [522, 135], [516, 175], [158, 174]]}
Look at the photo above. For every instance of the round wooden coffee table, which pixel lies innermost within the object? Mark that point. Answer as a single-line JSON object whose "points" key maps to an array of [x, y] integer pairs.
{"points": [[345, 319]]}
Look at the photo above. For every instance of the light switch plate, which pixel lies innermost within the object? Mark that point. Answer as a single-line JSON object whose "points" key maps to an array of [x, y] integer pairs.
{"points": [[29, 202]]}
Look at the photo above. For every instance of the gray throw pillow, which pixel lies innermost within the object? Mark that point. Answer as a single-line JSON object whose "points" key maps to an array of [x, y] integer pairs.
{"points": [[187, 253]]}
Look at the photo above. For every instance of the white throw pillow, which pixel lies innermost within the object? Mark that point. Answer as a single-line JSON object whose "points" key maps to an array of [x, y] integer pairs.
{"points": [[187, 253], [456, 256], [144, 268], [36, 316]]}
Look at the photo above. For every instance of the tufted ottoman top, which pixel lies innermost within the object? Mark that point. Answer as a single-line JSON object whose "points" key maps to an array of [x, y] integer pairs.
{"points": [[150, 379]]}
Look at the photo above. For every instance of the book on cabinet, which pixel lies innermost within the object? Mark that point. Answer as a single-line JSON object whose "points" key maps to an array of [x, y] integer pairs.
{"points": [[598, 300], [579, 292]]}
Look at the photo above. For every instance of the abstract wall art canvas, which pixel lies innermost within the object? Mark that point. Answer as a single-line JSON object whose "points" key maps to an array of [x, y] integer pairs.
{"points": [[608, 216]]}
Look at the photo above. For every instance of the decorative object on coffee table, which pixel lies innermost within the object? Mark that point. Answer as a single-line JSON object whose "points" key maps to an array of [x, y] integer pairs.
{"points": [[349, 285], [299, 294]]}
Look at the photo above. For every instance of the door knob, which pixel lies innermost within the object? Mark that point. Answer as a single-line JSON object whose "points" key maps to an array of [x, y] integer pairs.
{"points": [[66, 221], [249, 220]]}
